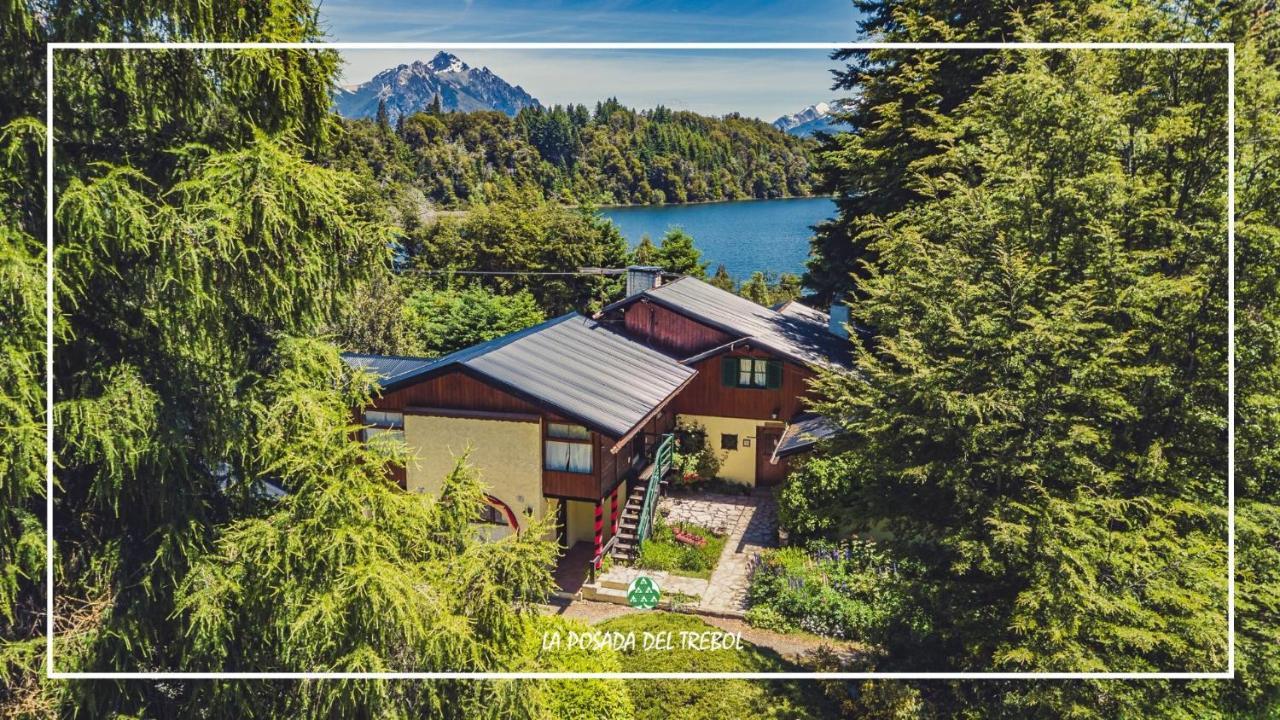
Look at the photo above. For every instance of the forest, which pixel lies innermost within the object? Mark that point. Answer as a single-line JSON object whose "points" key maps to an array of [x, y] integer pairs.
{"points": [[612, 155], [1037, 428]]}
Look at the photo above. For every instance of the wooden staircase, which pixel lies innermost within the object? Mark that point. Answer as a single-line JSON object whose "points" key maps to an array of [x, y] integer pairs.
{"points": [[628, 521], [634, 513]]}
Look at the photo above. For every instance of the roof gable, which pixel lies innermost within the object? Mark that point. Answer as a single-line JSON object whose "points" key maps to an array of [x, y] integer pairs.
{"points": [[573, 365], [797, 334]]}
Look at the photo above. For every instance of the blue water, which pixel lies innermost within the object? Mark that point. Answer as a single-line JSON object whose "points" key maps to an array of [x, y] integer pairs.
{"points": [[745, 235]]}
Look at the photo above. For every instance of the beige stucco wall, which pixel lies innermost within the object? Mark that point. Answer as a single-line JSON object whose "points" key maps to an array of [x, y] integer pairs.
{"points": [[739, 465], [507, 456], [582, 516]]}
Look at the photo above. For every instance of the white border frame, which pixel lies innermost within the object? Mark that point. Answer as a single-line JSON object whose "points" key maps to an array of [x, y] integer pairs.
{"points": [[1228, 674]]}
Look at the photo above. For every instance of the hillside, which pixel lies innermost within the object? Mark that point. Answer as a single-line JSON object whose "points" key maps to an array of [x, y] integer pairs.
{"points": [[572, 154]]}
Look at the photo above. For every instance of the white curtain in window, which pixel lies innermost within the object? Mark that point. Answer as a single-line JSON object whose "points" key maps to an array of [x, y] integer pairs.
{"points": [[570, 457], [580, 458]]}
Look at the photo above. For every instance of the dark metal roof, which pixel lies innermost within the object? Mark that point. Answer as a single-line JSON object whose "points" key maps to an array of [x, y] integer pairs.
{"points": [[576, 366], [796, 335], [804, 432], [792, 308], [388, 369]]}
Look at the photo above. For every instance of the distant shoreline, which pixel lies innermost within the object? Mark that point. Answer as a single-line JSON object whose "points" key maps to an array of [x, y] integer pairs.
{"points": [[698, 202]]}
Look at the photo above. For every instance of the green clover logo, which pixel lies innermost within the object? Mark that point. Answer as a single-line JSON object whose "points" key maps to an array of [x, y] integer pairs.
{"points": [[643, 593]]}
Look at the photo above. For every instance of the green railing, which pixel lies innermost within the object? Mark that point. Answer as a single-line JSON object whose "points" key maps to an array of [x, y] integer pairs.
{"points": [[662, 459]]}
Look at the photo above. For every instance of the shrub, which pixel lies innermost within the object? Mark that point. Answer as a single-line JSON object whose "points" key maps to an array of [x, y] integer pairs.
{"points": [[709, 699], [573, 699], [695, 458], [850, 590]]}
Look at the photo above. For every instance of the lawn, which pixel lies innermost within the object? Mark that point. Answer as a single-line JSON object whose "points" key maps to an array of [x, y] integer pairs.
{"points": [[710, 699], [663, 552]]}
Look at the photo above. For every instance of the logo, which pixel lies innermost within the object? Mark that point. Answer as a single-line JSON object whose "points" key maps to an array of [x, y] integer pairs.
{"points": [[643, 593]]}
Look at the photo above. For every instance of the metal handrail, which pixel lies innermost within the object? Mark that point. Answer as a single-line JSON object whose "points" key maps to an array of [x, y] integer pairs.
{"points": [[662, 459]]}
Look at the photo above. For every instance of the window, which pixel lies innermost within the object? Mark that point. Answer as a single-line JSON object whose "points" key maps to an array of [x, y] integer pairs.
{"points": [[384, 423], [492, 515], [747, 372], [371, 433], [574, 457], [568, 432], [382, 418], [728, 442]]}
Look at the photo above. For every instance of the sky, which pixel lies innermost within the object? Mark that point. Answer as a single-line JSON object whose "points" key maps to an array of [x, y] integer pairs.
{"points": [[762, 84]]}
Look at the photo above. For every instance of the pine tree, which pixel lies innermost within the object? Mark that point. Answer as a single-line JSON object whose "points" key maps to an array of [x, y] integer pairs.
{"points": [[645, 252], [201, 251], [721, 279], [1040, 421], [756, 289], [381, 118], [22, 362], [677, 254], [435, 107]]}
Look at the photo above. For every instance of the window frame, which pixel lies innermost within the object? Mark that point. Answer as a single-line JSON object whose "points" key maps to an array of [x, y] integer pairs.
{"points": [[548, 437], [381, 422], [756, 371]]}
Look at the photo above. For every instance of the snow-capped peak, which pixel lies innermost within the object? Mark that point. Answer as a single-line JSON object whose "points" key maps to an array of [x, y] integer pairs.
{"points": [[445, 62], [812, 119]]}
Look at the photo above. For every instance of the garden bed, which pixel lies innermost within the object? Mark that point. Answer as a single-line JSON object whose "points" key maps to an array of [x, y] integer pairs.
{"points": [[662, 551], [848, 591]]}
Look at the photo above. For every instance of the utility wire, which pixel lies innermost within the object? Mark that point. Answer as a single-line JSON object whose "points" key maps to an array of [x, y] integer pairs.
{"points": [[579, 271]]}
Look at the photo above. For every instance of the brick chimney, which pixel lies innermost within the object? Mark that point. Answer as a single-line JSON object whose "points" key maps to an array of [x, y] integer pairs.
{"points": [[642, 277]]}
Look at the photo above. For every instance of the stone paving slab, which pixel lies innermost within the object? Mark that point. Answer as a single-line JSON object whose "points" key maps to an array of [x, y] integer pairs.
{"points": [[751, 523]]}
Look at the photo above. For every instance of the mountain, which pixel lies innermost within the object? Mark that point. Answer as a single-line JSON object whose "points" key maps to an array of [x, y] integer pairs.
{"points": [[410, 88], [813, 119]]}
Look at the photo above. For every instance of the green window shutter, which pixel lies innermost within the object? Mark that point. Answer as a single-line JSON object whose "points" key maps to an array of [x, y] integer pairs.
{"points": [[773, 374], [729, 371]]}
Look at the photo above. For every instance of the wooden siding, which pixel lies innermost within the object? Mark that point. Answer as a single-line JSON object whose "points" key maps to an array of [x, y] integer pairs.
{"points": [[458, 390], [706, 395], [670, 331]]}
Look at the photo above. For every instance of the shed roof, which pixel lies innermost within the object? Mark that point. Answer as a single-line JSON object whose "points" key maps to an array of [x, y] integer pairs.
{"points": [[796, 334], [576, 366], [804, 432]]}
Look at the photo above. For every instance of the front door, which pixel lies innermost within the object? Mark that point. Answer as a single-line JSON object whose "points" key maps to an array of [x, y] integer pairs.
{"points": [[768, 474]]}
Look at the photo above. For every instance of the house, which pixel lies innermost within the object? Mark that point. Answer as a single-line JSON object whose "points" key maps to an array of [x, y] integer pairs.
{"points": [[574, 418], [557, 418], [754, 364]]}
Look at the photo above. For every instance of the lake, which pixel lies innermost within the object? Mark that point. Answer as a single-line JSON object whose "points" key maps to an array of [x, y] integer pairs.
{"points": [[745, 235]]}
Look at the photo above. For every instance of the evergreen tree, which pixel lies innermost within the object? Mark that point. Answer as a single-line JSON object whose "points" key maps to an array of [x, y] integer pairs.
{"points": [[435, 107], [200, 251], [756, 289], [722, 279], [645, 252], [442, 321], [381, 118], [899, 98], [1040, 422], [22, 362], [677, 254], [348, 572]]}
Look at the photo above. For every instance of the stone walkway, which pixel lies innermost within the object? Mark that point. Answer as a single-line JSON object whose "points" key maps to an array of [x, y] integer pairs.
{"points": [[751, 523]]}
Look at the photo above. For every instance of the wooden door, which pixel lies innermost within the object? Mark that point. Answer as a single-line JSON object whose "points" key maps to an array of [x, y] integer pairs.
{"points": [[768, 474]]}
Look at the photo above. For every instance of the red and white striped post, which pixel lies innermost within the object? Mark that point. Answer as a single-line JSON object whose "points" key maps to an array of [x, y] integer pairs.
{"points": [[599, 532], [613, 512]]}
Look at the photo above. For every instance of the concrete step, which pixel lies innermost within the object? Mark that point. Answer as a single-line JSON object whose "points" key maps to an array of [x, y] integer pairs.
{"points": [[615, 585], [604, 594]]}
